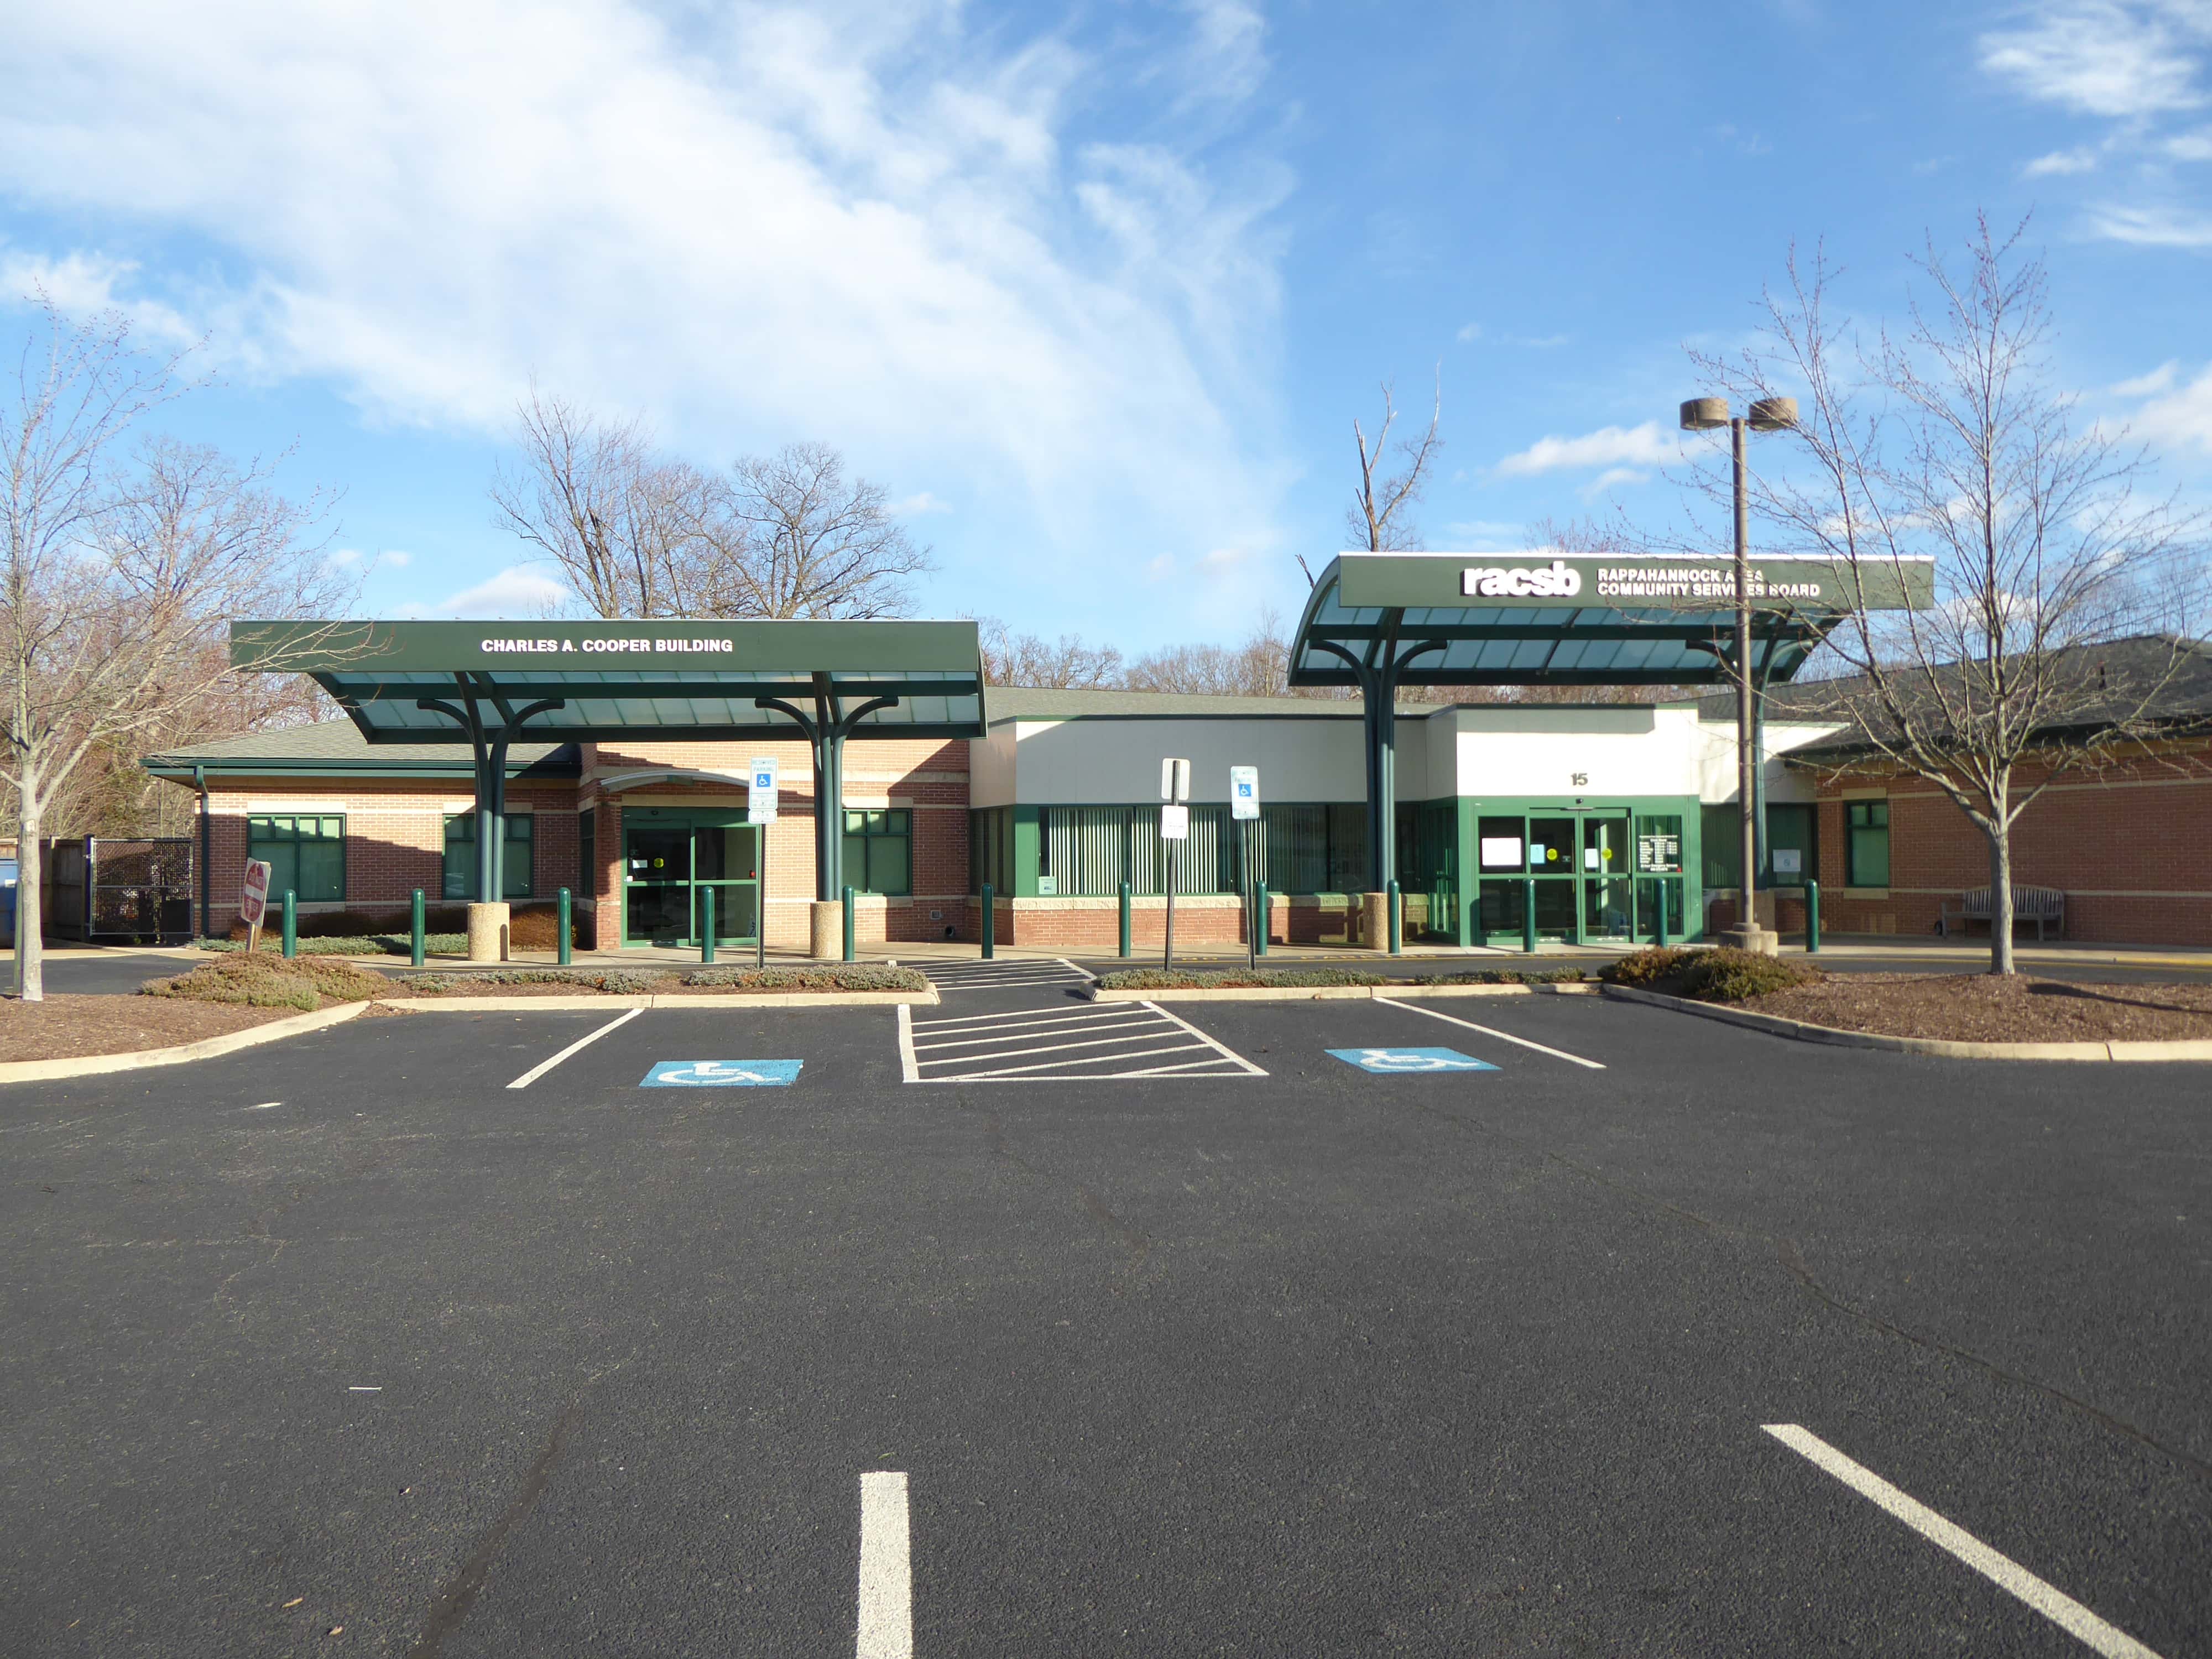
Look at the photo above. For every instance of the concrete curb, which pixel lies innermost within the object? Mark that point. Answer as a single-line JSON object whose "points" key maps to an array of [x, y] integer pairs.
{"points": [[1334, 992], [468, 1005], [1803, 1032], [42, 1071]]}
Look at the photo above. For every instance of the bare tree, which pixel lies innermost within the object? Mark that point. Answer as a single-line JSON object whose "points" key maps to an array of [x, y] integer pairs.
{"points": [[816, 544], [1258, 667], [632, 533], [120, 574], [1029, 659], [1381, 513], [1948, 441]]}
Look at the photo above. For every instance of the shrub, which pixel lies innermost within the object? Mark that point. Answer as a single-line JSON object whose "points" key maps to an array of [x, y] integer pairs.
{"points": [[1646, 967], [834, 976], [354, 945], [262, 981], [615, 982], [1159, 979], [1726, 976]]}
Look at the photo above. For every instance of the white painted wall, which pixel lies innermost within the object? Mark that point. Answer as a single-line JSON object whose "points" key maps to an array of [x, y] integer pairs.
{"points": [[1716, 759], [1113, 762], [1537, 749]]}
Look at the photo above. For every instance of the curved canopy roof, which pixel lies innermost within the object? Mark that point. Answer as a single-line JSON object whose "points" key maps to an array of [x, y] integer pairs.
{"points": [[1536, 618], [413, 681]]}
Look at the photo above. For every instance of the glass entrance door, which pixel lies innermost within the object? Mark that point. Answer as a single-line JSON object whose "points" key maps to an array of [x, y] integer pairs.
{"points": [[1575, 867], [671, 859]]}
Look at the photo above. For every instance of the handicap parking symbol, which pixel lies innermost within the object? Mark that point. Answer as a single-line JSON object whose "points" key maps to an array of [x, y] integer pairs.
{"points": [[722, 1074], [1403, 1060]]}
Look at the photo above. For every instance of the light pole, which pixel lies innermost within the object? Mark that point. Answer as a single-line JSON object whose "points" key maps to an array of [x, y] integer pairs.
{"points": [[1767, 414]]}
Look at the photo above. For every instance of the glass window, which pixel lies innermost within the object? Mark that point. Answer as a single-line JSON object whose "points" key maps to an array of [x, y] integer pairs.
{"points": [[879, 852], [1789, 852], [1500, 843], [1867, 843], [587, 853], [460, 872], [304, 853]]}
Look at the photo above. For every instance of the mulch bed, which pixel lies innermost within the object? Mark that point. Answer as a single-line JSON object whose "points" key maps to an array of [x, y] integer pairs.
{"points": [[66, 1027], [1981, 1008]]}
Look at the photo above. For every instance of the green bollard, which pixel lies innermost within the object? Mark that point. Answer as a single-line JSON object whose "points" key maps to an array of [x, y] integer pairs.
{"points": [[990, 922], [707, 924], [1260, 928], [1813, 916], [1395, 903], [417, 943], [291, 923], [1661, 885], [848, 924], [1528, 917], [1124, 921], [565, 923]]}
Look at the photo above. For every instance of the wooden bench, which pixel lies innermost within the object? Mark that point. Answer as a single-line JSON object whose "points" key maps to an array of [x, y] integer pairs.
{"points": [[2043, 906]]}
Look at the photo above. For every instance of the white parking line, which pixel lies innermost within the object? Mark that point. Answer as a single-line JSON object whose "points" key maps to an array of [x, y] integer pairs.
{"points": [[906, 1071], [2005, 1573], [1503, 1037], [1004, 1072], [1250, 1070], [886, 1570], [577, 1047], [996, 1033]]}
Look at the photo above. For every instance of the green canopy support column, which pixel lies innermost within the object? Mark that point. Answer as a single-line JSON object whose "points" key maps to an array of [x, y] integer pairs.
{"points": [[488, 745], [1376, 671], [826, 730]]}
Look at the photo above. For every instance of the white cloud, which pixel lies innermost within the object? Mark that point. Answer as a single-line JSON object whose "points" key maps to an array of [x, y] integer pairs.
{"points": [[1610, 477], [2182, 417], [1612, 446], [2191, 146], [518, 591], [396, 558], [2144, 386], [2061, 163], [916, 505], [860, 222], [2151, 226], [2114, 58], [1470, 333], [1483, 535]]}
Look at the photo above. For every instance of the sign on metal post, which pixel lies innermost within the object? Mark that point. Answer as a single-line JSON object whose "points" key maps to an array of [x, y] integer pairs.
{"points": [[760, 791], [253, 901], [1243, 791], [1174, 779], [1174, 823], [1175, 829]]}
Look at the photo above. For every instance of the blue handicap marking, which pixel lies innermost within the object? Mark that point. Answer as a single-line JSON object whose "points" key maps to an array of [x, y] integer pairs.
{"points": [[1394, 1061], [722, 1074]]}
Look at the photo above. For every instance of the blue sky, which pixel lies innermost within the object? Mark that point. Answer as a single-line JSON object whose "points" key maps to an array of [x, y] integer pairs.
{"points": [[1094, 291]]}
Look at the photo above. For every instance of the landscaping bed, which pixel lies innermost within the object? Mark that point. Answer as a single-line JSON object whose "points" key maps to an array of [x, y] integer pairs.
{"points": [[1986, 1008], [641, 982], [1294, 979], [1944, 1007], [72, 1027]]}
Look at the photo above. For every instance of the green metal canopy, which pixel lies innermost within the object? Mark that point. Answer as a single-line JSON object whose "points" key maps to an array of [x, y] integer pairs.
{"points": [[1380, 621], [496, 682]]}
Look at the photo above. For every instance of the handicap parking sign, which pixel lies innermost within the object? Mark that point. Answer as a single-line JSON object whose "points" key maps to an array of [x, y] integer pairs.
{"points": [[1411, 1059], [722, 1074]]}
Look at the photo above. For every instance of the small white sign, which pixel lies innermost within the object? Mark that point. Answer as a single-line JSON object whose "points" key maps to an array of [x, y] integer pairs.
{"points": [[1589, 858], [1243, 791], [1174, 823], [253, 898], [1047, 886], [1501, 851], [1174, 779], [760, 791], [1788, 861]]}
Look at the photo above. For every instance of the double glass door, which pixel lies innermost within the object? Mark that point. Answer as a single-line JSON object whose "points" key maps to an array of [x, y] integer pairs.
{"points": [[1575, 867], [671, 860]]}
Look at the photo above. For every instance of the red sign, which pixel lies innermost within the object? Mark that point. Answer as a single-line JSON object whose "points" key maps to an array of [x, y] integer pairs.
{"points": [[253, 901]]}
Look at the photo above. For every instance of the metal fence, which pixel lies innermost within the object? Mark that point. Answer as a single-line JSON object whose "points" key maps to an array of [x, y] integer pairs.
{"points": [[109, 889]]}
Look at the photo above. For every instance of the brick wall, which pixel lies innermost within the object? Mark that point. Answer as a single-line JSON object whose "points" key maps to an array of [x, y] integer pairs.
{"points": [[2128, 848]]}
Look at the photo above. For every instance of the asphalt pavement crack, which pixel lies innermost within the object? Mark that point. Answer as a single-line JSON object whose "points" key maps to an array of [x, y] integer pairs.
{"points": [[1793, 1262], [460, 1594], [1137, 1243]]}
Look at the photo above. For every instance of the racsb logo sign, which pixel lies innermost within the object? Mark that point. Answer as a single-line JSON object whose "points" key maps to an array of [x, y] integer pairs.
{"points": [[1557, 579]]}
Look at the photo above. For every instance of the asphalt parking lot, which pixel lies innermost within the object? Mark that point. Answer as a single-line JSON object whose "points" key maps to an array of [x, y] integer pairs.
{"points": [[1282, 1353]]}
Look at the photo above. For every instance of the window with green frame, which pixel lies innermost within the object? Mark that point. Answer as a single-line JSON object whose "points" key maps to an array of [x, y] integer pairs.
{"points": [[879, 852], [460, 876], [1866, 843], [305, 852]]}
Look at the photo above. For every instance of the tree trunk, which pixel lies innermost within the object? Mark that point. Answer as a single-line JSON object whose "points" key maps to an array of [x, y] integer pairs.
{"points": [[30, 975], [2001, 892]]}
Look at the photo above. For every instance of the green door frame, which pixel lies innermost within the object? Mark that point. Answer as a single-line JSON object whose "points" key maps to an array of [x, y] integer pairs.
{"points": [[690, 820], [1634, 810]]}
